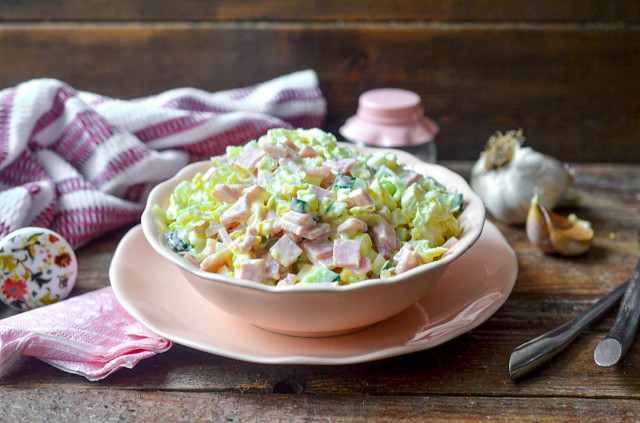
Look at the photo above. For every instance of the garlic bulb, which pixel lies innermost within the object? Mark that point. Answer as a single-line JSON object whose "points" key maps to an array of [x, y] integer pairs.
{"points": [[553, 233], [507, 175]]}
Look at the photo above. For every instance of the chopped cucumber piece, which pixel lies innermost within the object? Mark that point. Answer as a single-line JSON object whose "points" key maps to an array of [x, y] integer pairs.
{"points": [[456, 204], [298, 205], [175, 242], [320, 274], [343, 181]]}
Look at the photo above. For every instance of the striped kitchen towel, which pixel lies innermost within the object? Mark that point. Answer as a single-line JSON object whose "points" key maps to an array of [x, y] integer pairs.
{"points": [[82, 164]]}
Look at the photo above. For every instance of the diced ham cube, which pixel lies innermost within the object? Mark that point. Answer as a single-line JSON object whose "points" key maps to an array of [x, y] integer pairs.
{"points": [[318, 249], [216, 260], [277, 223], [248, 240], [341, 165], [410, 177], [359, 197], [294, 228], [275, 152], [224, 236], [289, 144], [252, 270], [288, 280], [295, 238], [320, 192], [346, 252], [329, 180], [277, 227], [327, 262], [385, 238], [316, 231], [316, 172], [191, 259], [406, 259], [236, 213], [256, 217], [253, 192], [209, 173], [299, 218], [248, 158], [307, 151], [353, 225], [272, 267], [227, 193], [450, 242], [384, 213], [362, 268], [285, 251]]}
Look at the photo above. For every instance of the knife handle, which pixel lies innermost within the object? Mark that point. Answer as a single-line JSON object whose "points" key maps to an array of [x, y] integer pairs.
{"points": [[616, 344], [533, 354]]}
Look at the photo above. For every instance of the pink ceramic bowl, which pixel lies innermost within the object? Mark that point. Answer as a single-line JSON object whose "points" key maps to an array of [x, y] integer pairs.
{"points": [[318, 309]]}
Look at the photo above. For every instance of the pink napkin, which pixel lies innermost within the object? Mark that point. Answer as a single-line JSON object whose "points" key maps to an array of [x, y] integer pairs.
{"points": [[90, 335], [82, 164]]}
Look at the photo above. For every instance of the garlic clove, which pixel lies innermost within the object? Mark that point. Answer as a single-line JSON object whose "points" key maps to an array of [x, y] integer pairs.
{"points": [[553, 233], [537, 228]]}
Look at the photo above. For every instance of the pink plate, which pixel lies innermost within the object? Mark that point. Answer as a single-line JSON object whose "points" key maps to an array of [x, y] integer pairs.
{"points": [[155, 292]]}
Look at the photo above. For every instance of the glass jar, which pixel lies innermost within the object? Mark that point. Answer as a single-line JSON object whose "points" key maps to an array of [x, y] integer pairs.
{"points": [[393, 118]]}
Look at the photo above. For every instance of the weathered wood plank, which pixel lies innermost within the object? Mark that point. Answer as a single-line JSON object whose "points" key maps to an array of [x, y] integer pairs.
{"points": [[42, 405], [323, 10], [473, 365], [573, 90]]}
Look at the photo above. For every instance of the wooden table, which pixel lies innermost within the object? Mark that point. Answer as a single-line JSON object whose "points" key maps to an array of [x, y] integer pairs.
{"points": [[464, 379]]}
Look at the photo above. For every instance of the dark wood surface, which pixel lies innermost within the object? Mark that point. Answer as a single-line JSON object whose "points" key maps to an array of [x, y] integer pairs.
{"points": [[626, 11], [464, 379], [565, 72]]}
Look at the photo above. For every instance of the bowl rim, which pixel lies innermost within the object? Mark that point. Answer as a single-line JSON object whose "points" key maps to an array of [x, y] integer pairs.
{"points": [[473, 206]]}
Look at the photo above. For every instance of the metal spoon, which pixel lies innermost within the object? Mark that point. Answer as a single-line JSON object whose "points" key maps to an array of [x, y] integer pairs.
{"points": [[533, 354], [616, 344]]}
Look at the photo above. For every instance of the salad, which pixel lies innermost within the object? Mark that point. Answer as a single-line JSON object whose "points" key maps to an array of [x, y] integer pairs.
{"points": [[295, 207]]}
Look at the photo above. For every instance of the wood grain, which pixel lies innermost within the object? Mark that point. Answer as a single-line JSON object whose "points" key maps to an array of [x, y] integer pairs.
{"points": [[324, 10], [468, 366], [573, 90], [143, 406]]}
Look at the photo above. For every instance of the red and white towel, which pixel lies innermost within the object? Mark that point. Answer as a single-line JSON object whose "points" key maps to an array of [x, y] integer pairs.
{"points": [[81, 163]]}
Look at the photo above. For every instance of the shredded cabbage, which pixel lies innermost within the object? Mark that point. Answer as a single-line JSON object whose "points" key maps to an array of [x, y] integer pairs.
{"points": [[301, 185]]}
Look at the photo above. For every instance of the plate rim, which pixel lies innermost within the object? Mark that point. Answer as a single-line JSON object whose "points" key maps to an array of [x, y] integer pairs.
{"points": [[310, 359]]}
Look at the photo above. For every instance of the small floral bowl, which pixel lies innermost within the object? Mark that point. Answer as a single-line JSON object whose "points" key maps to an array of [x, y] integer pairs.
{"points": [[320, 309], [37, 267]]}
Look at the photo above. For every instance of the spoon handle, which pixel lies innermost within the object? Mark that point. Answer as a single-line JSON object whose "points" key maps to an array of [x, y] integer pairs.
{"points": [[616, 344], [533, 354]]}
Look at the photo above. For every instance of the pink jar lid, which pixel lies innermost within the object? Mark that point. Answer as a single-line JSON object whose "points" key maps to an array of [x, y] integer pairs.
{"points": [[389, 117]]}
